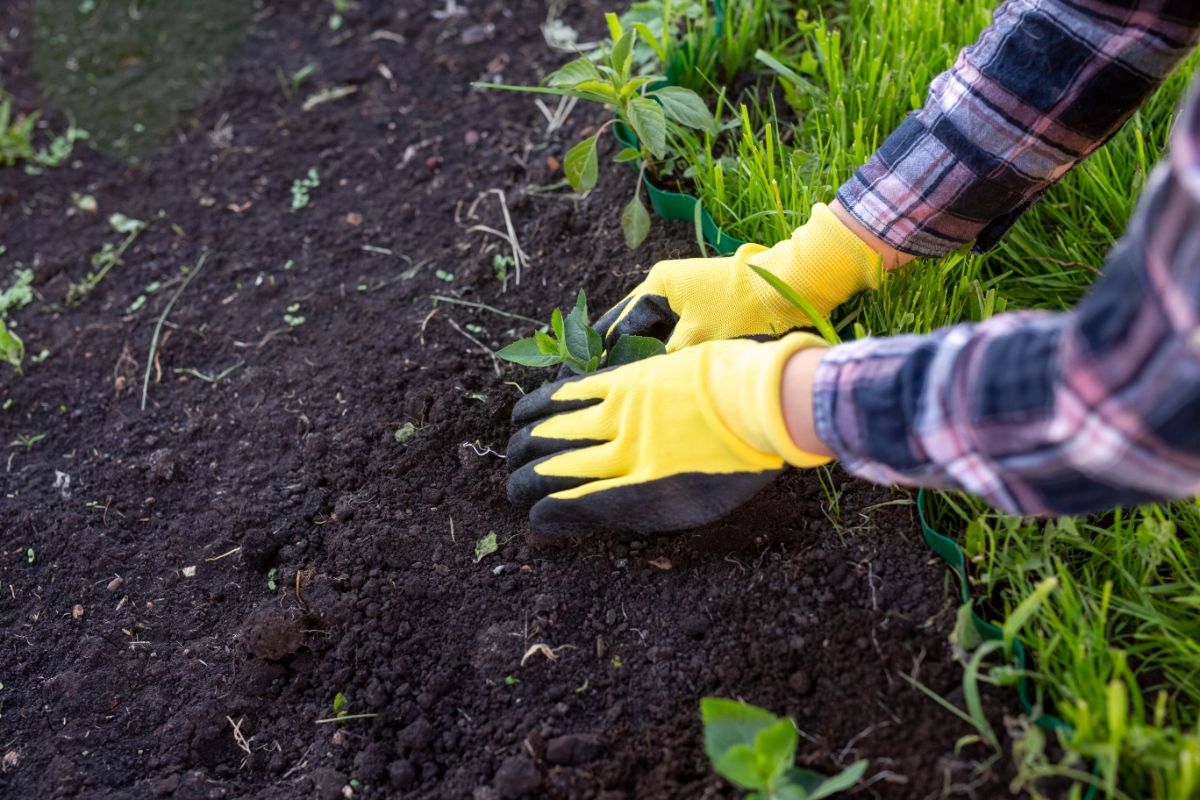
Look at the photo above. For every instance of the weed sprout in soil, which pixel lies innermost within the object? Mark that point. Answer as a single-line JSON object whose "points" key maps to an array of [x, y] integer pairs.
{"points": [[574, 343]]}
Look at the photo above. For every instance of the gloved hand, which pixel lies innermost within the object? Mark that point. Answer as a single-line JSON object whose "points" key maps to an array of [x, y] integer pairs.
{"points": [[670, 442], [688, 301]]}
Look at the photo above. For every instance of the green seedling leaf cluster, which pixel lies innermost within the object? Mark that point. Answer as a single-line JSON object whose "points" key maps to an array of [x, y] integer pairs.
{"points": [[651, 110], [756, 751], [17, 141], [486, 546], [302, 189], [18, 295], [572, 341], [108, 257]]}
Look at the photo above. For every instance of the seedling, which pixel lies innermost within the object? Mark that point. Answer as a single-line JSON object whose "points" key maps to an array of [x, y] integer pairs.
{"points": [[509, 680], [651, 113], [337, 18], [405, 432], [12, 349], [30, 555], [272, 574], [575, 343], [302, 189], [486, 546], [339, 705], [756, 750], [19, 295], [289, 87], [108, 257], [17, 145], [291, 318], [27, 440]]}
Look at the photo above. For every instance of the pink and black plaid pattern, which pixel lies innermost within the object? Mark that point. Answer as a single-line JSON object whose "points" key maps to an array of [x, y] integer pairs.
{"points": [[1046, 84], [1042, 413]]}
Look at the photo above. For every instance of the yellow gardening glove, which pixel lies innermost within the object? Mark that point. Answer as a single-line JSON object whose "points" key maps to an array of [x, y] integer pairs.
{"points": [[688, 301], [671, 442]]}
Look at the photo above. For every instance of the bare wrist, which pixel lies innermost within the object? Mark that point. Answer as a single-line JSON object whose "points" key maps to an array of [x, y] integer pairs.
{"points": [[892, 258], [797, 399]]}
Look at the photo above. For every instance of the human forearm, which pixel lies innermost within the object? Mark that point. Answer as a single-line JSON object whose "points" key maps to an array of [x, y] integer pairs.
{"points": [[1045, 85], [1036, 412]]}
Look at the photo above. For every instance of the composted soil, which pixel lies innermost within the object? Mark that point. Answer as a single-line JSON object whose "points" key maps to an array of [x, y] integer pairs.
{"points": [[185, 590]]}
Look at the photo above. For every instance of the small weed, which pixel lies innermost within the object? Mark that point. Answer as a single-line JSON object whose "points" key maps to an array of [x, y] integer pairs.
{"points": [[27, 440], [289, 86], [443, 275], [486, 546], [339, 705], [30, 555], [272, 575], [500, 264], [756, 750], [337, 18], [405, 432], [509, 680], [577, 344], [108, 257], [18, 295], [17, 141], [616, 662], [302, 189], [291, 318], [652, 114], [583, 687]]}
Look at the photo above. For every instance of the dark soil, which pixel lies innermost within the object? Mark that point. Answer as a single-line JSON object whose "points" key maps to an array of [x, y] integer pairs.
{"points": [[142, 648]]}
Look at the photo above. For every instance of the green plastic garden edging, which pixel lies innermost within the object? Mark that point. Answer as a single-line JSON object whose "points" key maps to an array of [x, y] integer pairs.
{"points": [[676, 206], [948, 550]]}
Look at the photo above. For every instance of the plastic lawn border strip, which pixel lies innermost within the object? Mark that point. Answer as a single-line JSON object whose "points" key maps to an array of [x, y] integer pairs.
{"points": [[675, 206], [949, 551]]}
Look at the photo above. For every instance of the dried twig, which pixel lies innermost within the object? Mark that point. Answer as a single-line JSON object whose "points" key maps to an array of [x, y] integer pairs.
{"points": [[162, 319], [519, 257], [481, 345]]}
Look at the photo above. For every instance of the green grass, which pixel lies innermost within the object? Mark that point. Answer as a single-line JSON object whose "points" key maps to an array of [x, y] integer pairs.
{"points": [[1115, 647]]}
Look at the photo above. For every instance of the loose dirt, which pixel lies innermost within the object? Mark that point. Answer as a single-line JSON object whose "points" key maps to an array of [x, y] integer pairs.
{"points": [[179, 619]]}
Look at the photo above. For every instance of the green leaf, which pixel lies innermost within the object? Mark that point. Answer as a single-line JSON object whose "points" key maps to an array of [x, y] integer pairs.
{"points": [[966, 634], [635, 222], [576, 336], [776, 748], [685, 107], [627, 154], [12, 349], [622, 54], [740, 765], [614, 25], [595, 346], [528, 353], [339, 702], [581, 165], [546, 343], [634, 348], [485, 546], [573, 73], [556, 324], [728, 723], [818, 786], [807, 308], [651, 39], [650, 124]]}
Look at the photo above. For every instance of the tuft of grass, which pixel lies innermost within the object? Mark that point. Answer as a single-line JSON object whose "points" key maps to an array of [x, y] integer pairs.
{"points": [[1115, 648]]}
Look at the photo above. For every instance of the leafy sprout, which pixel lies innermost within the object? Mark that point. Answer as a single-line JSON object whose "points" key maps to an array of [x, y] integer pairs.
{"points": [[756, 750], [573, 342], [648, 108]]}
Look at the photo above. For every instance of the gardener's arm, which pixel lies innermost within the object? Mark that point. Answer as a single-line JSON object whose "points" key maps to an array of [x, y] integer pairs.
{"points": [[1035, 412], [1044, 86]]}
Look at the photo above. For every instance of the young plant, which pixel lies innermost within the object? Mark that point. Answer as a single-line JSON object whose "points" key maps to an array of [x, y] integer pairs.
{"points": [[575, 343], [17, 145], [302, 189], [647, 108], [18, 295], [756, 750], [107, 258]]}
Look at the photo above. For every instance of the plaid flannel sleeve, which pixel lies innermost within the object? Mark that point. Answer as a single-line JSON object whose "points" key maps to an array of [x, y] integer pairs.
{"points": [[1045, 85], [1042, 413]]}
